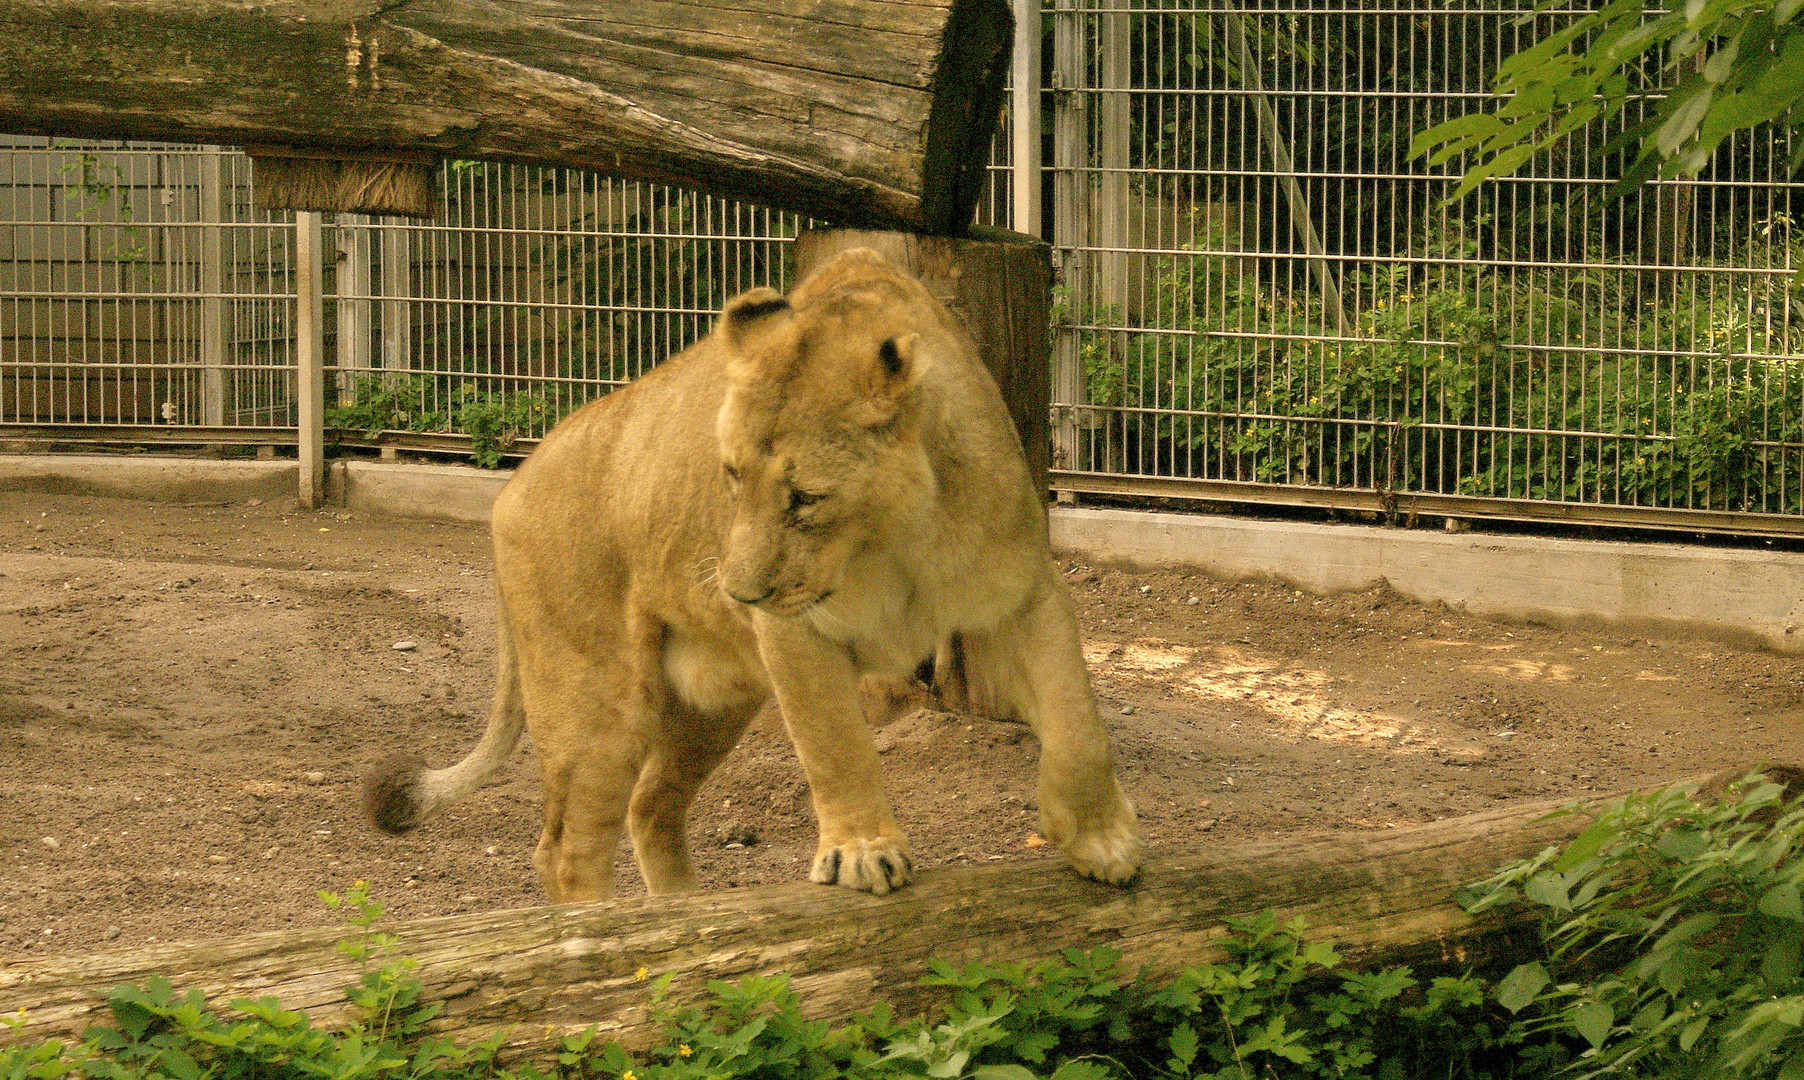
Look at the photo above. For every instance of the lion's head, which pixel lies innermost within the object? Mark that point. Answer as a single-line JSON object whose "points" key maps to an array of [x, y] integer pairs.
{"points": [[819, 431]]}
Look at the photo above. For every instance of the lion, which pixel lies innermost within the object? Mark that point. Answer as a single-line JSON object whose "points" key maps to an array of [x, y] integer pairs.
{"points": [[825, 488]]}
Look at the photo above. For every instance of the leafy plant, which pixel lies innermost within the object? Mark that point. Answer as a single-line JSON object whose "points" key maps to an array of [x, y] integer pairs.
{"points": [[1725, 65], [494, 423], [1675, 937]]}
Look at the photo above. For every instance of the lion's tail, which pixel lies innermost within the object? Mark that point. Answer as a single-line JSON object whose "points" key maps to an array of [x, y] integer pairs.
{"points": [[401, 792]]}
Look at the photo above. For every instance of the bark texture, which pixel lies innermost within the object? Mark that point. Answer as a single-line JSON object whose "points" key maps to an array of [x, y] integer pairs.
{"points": [[1382, 897], [868, 112]]}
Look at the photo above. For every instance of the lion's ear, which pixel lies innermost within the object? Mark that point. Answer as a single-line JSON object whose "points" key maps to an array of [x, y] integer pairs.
{"points": [[896, 372], [746, 311]]}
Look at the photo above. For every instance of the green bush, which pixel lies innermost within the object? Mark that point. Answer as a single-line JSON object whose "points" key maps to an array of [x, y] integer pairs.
{"points": [[1675, 938], [1246, 381], [494, 422]]}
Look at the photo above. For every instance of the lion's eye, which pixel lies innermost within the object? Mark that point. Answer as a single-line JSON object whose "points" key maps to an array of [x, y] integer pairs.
{"points": [[800, 499]]}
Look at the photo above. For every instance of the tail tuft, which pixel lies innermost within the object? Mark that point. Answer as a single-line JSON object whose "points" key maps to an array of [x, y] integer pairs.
{"points": [[391, 793]]}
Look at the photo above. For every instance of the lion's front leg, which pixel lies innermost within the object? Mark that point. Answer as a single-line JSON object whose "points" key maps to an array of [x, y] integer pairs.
{"points": [[861, 846], [1034, 663]]}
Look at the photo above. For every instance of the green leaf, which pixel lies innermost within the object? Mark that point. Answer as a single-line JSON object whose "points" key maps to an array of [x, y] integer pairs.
{"points": [[1783, 959], [1593, 1021], [1003, 1072], [1589, 842], [1782, 901], [1689, 1037], [1520, 986], [1183, 1045], [1549, 889], [1463, 129]]}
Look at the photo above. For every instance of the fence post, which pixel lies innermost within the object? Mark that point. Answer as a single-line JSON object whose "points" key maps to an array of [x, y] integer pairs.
{"points": [[397, 288], [212, 289], [1024, 120], [1069, 208], [309, 359], [351, 278]]}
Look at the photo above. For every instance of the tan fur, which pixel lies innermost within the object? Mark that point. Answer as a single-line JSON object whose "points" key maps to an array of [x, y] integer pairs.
{"points": [[822, 490]]}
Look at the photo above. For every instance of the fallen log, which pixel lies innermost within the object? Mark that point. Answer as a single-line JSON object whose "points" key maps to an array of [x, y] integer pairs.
{"points": [[873, 112], [1381, 897]]}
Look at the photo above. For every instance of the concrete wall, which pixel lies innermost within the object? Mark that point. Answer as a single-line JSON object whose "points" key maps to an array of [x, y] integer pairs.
{"points": [[1723, 592]]}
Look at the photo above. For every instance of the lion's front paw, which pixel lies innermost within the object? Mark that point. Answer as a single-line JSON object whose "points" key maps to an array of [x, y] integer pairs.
{"points": [[1111, 855], [874, 865], [1101, 840]]}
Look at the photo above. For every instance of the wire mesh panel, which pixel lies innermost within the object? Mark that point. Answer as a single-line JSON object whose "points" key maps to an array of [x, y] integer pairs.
{"points": [[139, 288], [534, 291], [1265, 298]]}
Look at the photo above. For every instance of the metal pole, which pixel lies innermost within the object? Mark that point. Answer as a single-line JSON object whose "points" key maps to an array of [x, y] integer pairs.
{"points": [[309, 359], [1024, 120], [212, 287]]}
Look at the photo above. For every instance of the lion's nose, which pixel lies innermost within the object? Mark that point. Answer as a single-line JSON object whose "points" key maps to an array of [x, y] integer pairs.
{"points": [[745, 596]]}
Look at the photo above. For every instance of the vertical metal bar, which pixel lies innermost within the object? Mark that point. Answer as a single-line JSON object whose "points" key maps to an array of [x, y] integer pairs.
{"points": [[1024, 120], [352, 303], [397, 288], [1067, 222], [309, 359]]}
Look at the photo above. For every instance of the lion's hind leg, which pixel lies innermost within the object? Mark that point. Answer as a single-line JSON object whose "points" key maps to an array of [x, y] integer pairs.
{"points": [[588, 728], [689, 746]]}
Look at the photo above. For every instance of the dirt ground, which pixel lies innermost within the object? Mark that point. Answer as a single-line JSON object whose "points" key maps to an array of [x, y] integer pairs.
{"points": [[188, 695]]}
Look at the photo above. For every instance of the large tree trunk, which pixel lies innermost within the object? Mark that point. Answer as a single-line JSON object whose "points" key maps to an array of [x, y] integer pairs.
{"points": [[875, 112], [1382, 897]]}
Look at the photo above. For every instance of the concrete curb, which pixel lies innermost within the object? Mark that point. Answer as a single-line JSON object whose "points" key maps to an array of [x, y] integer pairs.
{"points": [[1714, 591], [1748, 595], [403, 489], [167, 478]]}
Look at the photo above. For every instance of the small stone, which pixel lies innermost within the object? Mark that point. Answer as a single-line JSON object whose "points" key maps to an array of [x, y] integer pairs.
{"points": [[217, 859], [490, 850], [1035, 840], [1506, 734], [471, 899], [1205, 824], [51, 842], [253, 502], [1192, 601], [1146, 588], [272, 853], [111, 933], [404, 646], [1127, 710], [313, 777]]}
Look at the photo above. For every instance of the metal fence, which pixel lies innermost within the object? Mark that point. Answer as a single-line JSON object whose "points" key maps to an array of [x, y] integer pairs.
{"points": [[1262, 298], [1268, 300]]}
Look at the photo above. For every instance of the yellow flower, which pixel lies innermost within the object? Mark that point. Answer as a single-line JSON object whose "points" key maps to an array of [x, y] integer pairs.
{"points": [[627, 1075], [684, 1050], [642, 974]]}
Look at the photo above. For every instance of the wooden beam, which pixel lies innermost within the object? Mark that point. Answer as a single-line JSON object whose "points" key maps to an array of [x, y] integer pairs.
{"points": [[869, 112], [1382, 897]]}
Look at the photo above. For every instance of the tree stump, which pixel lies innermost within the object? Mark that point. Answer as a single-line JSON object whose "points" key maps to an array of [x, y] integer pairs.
{"points": [[999, 284]]}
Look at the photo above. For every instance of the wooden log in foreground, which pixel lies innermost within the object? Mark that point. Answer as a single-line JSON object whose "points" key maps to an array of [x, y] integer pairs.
{"points": [[1382, 897], [875, 112]]}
